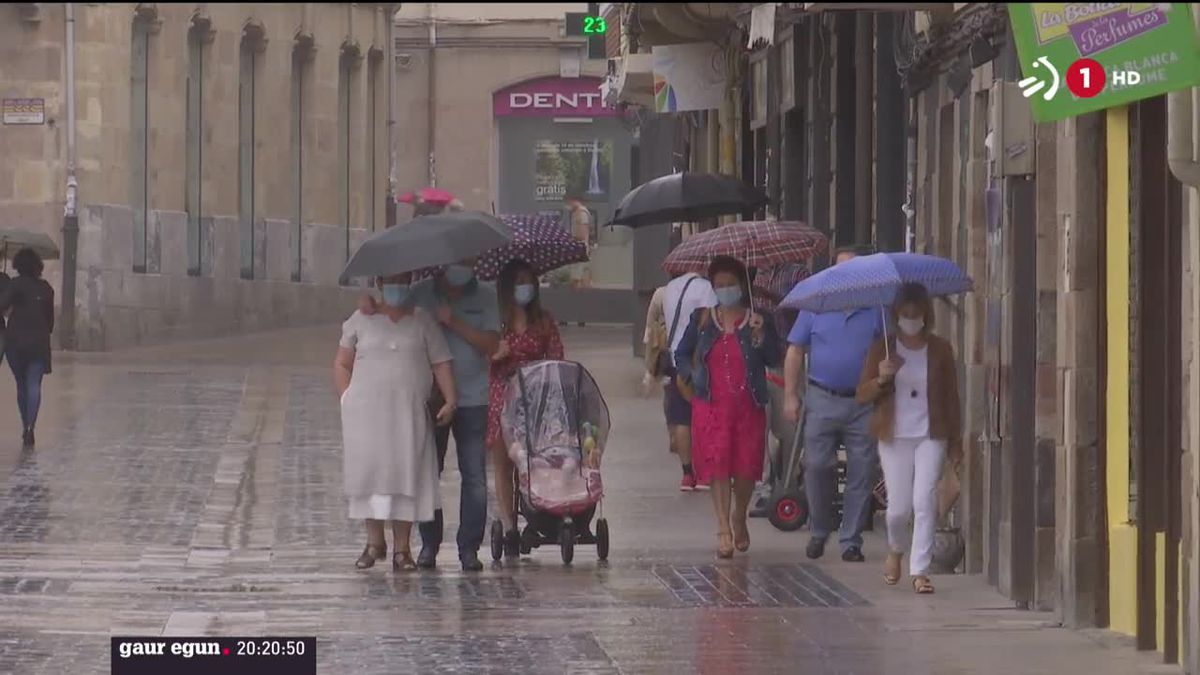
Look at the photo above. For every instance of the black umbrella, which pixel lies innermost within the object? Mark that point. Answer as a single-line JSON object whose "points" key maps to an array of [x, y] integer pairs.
{"points": [[427, 241], [686, 197]]}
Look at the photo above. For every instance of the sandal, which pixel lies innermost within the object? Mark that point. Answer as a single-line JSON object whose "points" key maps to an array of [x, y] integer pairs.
{"points": [[891, 568], [372, 554], [402, 561], [741, 535], [922, 585], [724, 545]]}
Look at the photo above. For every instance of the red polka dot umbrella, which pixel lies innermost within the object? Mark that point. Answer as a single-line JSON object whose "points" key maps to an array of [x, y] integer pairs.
{"points": [[539, 240]]}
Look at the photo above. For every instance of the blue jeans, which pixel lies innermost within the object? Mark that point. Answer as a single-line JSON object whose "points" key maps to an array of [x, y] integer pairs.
{"points": [[470, 435], [28, 373], [830, 421]]}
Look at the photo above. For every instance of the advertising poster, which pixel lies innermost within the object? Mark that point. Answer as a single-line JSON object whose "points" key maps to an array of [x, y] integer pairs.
{"points": [[1081, 57], [583, 168], [688, 77]]}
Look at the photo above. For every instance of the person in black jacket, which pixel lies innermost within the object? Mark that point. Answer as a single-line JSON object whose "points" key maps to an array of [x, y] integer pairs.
{"points": [[4, 280], [29, 302]]}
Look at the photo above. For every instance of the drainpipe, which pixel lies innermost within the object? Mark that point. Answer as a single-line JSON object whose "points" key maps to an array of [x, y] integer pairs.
{"points": [[390, 59], [70, 210], [1181, 132], [432, 114], [910, 191]]}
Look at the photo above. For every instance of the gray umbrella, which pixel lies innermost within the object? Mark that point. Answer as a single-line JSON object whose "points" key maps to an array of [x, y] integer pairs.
{"points": [[428, 241], [13, 240]]}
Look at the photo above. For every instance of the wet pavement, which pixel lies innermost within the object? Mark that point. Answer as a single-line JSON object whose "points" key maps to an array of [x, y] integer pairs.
{"points": [[196, 490]]}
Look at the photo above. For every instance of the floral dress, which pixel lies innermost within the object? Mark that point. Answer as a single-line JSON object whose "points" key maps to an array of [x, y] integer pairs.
{"points": [[537, 343], [728, 430]]}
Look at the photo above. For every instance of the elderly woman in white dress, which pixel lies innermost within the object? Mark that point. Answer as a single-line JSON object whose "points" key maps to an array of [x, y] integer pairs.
{"points": [[385, 367]]}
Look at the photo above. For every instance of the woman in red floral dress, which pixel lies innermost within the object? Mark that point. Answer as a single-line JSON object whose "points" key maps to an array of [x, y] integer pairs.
{"points": [[724, 356], [529, 334]]}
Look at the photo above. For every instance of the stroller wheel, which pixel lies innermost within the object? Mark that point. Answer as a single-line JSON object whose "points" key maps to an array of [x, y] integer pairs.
{"points": [[528, 539], [788, 511], [566, 541], [497, 540], [602, 538]]}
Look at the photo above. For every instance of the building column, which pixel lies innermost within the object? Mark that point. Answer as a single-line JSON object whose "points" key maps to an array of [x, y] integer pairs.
{"points": [[1079, 502]]}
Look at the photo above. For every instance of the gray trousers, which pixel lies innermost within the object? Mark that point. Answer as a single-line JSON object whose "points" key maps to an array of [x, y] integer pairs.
{"points": [[830, 421]]}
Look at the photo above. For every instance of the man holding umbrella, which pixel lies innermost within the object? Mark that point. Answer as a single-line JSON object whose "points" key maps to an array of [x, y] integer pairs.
{"points": [[468, 313], [836, 344]]}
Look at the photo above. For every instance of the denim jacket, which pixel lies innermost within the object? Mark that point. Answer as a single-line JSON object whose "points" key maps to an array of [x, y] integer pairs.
{"points": [[691, 358]]}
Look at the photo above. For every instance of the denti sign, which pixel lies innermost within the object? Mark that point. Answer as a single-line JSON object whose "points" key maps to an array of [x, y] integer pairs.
{"points": [[552, 97], [1082, 57], [546, 101]]}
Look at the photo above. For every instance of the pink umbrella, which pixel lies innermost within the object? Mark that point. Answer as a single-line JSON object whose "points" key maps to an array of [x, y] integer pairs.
{"points": [[429, 195]]}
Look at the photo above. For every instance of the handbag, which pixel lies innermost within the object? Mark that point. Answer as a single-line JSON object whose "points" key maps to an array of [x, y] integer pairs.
{"points": [[658, 352], [663, 362], [685, 387]]}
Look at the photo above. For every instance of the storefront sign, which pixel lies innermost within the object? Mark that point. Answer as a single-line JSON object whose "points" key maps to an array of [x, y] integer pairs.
{"points": [[564, 168], [688, 77], [1081, 57], [24, 111], [552, 97]]}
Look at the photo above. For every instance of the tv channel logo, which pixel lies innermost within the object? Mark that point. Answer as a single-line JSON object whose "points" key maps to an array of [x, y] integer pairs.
{"points": [[1035, 83], [1085, 78]]}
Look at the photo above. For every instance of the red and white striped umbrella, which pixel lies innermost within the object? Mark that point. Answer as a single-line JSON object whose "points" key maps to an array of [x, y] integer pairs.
{"points": [[777, 282], [761, 244]]}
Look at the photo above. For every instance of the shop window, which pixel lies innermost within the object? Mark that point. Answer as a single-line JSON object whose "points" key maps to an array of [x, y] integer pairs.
{"points": [[758, 90], [197, 41], [301, 65], [249, 62], [139, 132], [375, 113], [347, 71], [787, 74]]}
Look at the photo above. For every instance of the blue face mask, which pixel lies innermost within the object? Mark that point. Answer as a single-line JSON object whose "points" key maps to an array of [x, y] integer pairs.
{"points": [[523, 294], [730, 296], [395, 295], [459, 275]]}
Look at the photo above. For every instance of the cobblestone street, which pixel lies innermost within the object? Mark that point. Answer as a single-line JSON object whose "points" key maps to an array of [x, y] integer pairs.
{"points": [[196, 489]]}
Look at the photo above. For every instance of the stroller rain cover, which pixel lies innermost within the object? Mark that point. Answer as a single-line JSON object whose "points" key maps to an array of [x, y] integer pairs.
{"points": [[556, 424]]}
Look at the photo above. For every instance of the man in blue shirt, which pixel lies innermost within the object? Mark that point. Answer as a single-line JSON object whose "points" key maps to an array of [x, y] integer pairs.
{"points": [[469, 315], [836, 344]]}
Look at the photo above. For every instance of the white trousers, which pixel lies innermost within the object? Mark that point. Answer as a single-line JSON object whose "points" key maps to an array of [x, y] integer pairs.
{"points": [[911, 469]]}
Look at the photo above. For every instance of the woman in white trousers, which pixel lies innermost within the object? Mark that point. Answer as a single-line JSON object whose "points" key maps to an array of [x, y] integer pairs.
{"points": [[912, 382]]}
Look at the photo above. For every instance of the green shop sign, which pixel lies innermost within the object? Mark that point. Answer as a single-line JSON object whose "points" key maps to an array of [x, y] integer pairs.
{"points": [[1081, 57]]}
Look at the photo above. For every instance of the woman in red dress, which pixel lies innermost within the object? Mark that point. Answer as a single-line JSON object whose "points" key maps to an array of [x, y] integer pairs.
{"points": [[529, 333], [724, 356]]}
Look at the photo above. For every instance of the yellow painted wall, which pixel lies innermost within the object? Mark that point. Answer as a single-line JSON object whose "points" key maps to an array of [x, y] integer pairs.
{"points": [[1122, 536], [1122, 533]]}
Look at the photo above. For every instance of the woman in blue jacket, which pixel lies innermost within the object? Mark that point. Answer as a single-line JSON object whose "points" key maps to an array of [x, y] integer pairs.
{"points": [[723, 358]]}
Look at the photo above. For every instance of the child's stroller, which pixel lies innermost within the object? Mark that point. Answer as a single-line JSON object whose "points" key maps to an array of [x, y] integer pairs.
{"points": [[555, 425]]}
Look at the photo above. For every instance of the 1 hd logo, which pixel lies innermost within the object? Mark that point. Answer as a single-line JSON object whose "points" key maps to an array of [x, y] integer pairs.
{"points": [[1086, 78]]}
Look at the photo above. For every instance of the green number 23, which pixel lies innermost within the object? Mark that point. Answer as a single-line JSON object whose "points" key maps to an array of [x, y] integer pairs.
{"points": [[594, 25]]}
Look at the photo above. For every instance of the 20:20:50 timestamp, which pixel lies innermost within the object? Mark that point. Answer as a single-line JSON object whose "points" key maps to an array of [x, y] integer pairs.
{"points": [[271, 647]]}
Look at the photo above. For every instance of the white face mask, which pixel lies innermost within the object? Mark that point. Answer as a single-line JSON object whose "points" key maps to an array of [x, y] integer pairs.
{"points": [[910, 327]]}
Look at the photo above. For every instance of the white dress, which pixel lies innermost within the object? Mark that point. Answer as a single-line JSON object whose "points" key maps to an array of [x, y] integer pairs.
{"points": [[390, 461]]}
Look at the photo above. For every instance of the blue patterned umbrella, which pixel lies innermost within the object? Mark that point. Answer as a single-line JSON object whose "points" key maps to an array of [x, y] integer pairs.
{"points": [[872, 280]]}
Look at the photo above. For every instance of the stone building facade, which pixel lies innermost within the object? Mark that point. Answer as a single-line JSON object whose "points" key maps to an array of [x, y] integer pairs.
{"points": [[1079, 360], [228, 158]]}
